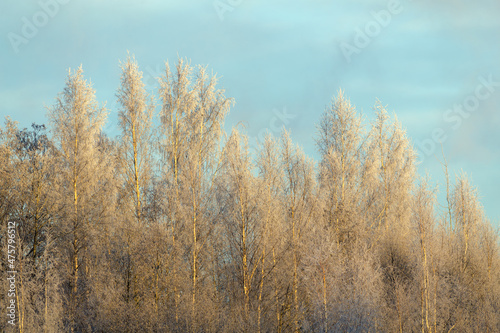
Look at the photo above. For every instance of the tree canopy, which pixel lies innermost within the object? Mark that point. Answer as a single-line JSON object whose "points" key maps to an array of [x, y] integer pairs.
{"points": [[176, 226]]}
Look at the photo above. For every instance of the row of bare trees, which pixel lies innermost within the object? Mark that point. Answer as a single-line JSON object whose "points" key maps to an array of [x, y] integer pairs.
{"points": [[174, 226]]}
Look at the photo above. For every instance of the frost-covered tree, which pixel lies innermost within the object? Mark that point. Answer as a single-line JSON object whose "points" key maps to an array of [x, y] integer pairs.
{"points": [[340, 143], [76, 122], [390, 171], [30, 202], [135, 120], [274, 245], [193, 110], [136, 174], [175, 227], [423, 221], [299, 200], [242, 227]]}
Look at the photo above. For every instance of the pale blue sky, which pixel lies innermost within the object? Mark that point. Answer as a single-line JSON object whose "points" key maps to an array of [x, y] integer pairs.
{"points": [[276, 58]]}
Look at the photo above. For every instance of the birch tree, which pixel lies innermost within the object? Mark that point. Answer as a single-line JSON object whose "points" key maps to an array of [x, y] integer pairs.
{"points": [[388, 179], [271, 210], [339, 141], [181, 229], [193, 110], [135, 119], [394, 159], [29, 205], [299, 198], [34, 176], [243, 229], [468, 216], [135, 160], [423, 220], [76, 122]]}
